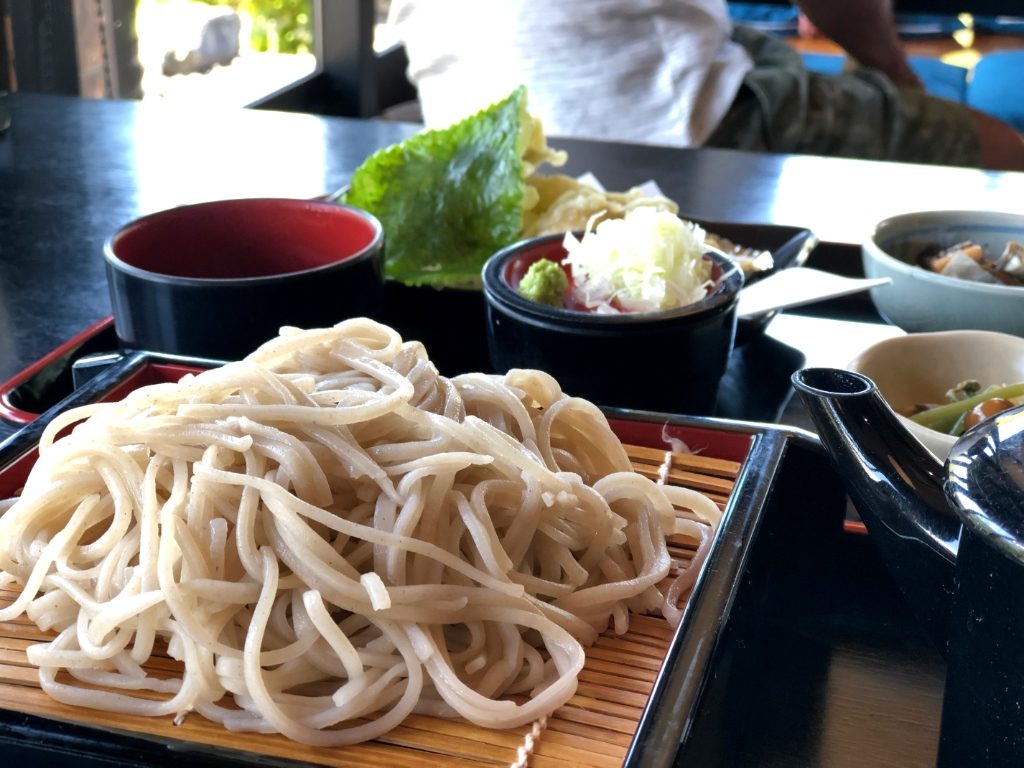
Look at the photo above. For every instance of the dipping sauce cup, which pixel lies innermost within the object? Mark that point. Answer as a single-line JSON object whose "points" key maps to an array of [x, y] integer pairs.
{"points": [[670, 361], [215, 280]]}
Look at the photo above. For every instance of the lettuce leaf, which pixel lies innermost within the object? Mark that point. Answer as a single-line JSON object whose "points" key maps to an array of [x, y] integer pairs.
{"points": [[450, 198]]}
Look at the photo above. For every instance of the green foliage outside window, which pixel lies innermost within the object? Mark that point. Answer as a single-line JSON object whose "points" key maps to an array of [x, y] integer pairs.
{"points": [[282, 26]]}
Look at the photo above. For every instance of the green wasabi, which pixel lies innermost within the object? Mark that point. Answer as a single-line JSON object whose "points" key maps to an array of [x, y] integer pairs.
{"points": [[544, 282]]}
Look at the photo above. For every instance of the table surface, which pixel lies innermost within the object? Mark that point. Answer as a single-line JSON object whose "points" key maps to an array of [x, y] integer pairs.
{"points": [[72, 171]]}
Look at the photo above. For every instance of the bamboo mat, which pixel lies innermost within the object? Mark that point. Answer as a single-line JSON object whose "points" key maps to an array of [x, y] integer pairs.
{"points": [[593, 729]]}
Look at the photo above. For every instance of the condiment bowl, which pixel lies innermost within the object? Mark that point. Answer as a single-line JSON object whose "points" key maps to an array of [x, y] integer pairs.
{"points": [[670, 360], [917, 299], [215, 280], [920, 367]]}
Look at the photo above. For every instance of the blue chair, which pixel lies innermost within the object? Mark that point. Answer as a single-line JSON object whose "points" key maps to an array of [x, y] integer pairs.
{"points": [[995, 86], [773, 19], [939, 78]]}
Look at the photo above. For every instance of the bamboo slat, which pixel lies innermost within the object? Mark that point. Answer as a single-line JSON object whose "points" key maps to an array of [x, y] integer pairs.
{"points": [[593, 730]]}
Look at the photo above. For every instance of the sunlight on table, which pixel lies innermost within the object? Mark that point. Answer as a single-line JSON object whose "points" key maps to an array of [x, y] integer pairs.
{"points": [[870, 197], [190, 155], [828, 343]]}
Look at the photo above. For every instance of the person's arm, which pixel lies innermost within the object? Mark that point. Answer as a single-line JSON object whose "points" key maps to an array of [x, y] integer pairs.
{"points": [[867, 31]]}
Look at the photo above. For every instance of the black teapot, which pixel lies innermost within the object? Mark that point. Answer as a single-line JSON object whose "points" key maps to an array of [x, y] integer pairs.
{"points": [[953, 536]]}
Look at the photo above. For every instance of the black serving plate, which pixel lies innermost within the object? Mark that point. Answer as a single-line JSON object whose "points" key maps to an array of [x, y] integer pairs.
{"points": [[790, 247]]}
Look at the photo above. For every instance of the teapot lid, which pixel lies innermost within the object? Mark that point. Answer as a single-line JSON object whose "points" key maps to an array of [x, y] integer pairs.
{"points": [[985, 481]]}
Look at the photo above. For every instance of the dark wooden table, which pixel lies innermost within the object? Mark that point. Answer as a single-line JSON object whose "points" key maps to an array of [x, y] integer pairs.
{"points": [[72, 171], [851, 682]]}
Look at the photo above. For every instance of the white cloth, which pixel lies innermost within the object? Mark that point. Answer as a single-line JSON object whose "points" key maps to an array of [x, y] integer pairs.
{"points": [[649, 71]]}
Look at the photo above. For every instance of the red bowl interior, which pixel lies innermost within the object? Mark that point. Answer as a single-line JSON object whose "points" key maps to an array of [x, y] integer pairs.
{"points": [[244, 238]]}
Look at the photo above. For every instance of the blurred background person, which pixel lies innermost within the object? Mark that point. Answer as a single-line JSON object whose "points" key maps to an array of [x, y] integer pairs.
{"points": [[678, 72]]}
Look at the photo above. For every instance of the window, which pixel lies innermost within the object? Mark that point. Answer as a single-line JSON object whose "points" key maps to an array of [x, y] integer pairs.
{"points": [[308, 55], [224, 52]]}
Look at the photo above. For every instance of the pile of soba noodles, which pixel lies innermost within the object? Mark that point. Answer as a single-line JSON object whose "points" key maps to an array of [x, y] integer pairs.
{"points": [[330, 536]]}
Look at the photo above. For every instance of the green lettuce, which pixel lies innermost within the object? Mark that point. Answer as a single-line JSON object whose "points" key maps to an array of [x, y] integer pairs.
{"points": [[450, 198]]}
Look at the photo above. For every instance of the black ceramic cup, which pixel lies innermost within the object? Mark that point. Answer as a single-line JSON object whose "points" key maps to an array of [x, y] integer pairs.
{"points": [[669, 361], [216, 280]]}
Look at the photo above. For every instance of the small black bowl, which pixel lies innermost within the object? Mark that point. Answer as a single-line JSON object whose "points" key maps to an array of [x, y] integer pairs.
{"points": [[669, 361], [216, 280]]}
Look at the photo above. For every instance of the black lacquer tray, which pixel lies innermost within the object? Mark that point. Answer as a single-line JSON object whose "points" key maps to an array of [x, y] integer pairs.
{"points": [[745, 459]]}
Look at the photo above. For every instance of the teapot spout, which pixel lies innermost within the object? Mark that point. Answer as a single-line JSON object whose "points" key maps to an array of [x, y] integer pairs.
{"points": [[895, 484]]}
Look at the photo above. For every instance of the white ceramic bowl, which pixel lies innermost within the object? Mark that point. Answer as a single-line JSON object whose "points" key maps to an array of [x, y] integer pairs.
{"points": [[920, 367], [919, 300]]}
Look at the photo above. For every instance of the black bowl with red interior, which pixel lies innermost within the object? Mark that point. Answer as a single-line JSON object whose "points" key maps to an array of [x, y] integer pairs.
{"points": [[670, 360], [215, 280]]}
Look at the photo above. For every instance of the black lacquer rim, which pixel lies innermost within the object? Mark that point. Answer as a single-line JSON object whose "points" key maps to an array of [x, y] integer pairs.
{"points": [[499, 293], [368, 252], [853, 384]]}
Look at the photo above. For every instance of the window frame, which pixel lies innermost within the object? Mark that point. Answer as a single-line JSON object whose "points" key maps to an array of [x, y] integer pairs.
{"points": [[351, 79]]}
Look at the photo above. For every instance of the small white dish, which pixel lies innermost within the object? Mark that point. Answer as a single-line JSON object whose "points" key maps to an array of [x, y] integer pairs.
{"points": [[918, 300], [921, 367]]}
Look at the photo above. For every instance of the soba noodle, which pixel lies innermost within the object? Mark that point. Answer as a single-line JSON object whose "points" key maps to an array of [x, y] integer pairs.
{"points": [[331, 536]]}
